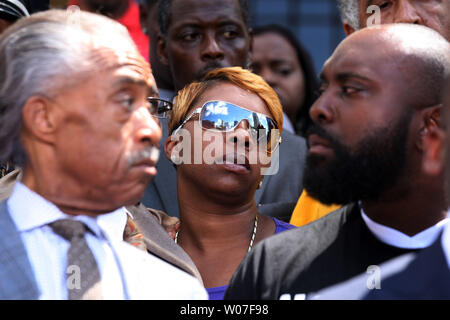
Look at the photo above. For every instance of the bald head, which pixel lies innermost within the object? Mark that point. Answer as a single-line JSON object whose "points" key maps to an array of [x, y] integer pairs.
{"points": [[418, 55]]}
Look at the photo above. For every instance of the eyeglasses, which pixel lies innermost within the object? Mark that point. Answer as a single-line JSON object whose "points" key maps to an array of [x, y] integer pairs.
{"points": [[159, 108], [224, 116]]}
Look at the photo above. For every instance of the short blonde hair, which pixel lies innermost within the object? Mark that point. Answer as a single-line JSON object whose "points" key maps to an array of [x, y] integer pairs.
{"points": [[242, 78]]}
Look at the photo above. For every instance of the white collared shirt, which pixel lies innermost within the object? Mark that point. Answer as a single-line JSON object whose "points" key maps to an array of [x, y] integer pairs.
{"points": [[47, 251], [126, 272], [398, 239]]}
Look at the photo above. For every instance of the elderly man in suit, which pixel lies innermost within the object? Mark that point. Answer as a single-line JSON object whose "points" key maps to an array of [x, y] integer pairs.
{"points": [[423, 275], [144, 231], [78, 114]]}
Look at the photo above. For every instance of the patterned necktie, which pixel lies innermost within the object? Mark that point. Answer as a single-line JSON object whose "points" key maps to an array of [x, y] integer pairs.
{"points": [[82, 274], [133, 235]]}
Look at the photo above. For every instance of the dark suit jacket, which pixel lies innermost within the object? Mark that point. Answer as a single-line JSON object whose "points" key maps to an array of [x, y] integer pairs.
{"points": [[420, 275], [276, 197]]}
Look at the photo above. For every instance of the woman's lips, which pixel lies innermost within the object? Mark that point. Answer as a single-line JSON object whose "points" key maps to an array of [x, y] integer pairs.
{"points": [[237, 164]]}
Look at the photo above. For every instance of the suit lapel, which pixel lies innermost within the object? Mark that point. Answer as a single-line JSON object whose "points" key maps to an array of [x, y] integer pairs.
{"points": [[16, 275], [159, 243]]}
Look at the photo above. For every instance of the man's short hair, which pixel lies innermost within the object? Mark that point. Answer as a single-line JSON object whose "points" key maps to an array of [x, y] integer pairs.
{"points": [[164, 14], [349, 10], [43, 54]]}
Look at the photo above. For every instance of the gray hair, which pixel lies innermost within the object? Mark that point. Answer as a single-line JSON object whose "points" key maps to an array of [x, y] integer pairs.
{"points": [[349, 10], [42, 55]]}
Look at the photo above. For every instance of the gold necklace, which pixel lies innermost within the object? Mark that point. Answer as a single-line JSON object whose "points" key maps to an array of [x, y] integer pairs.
{"points": [[255, 227]]}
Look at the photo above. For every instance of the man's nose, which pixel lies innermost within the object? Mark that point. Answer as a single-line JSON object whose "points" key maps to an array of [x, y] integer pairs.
{"points": [[148, 130], [406, 13], [323, 110], [211, 48]]}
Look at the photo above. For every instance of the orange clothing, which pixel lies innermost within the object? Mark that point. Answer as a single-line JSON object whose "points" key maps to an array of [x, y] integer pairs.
{"points": [[309, 209]]}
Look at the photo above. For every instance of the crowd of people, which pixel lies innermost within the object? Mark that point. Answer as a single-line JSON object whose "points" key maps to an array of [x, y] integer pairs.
{"points": [[165, 149]]}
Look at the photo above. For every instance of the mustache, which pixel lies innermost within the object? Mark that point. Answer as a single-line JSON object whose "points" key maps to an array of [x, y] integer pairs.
{"points": [[207, 68], [313, 128], [149, 153]]}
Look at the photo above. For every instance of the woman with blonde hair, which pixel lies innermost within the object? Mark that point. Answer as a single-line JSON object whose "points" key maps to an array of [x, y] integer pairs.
{"points": [[223, 132]]}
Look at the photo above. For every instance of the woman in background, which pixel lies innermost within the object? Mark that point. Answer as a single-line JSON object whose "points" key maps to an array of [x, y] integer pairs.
{"points": [[286, 65]]}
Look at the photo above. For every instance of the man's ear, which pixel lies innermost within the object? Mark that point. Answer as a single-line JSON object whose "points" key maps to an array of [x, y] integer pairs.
{"points": [[430, 120], [40, 118], [433, 162], [431, 140], [162, 50], [348, 29]]}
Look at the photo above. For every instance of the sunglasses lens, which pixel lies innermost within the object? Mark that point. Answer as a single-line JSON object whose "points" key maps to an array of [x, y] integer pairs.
{"points": [[159, 108], [223, 116]]}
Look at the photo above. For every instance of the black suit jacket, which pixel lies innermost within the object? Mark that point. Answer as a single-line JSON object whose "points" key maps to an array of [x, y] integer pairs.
{"points": [[420, 275]]}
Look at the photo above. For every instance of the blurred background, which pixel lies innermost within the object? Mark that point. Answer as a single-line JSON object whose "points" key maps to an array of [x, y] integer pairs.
{"points": [[316, 23]]}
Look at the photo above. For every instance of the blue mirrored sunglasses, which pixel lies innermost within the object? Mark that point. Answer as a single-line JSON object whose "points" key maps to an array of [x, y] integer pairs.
{"points": [[224, 116]]}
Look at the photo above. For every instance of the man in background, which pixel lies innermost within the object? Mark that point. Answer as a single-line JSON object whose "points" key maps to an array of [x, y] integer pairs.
{"points": [[355, 14]]}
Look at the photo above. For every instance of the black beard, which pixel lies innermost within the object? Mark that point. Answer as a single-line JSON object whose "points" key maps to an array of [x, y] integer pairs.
{"points": [[364, 174]]}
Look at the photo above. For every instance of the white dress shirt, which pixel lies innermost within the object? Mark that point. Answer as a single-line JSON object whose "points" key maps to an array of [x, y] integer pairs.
{"points": [[126, 272], [398, 239]]}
